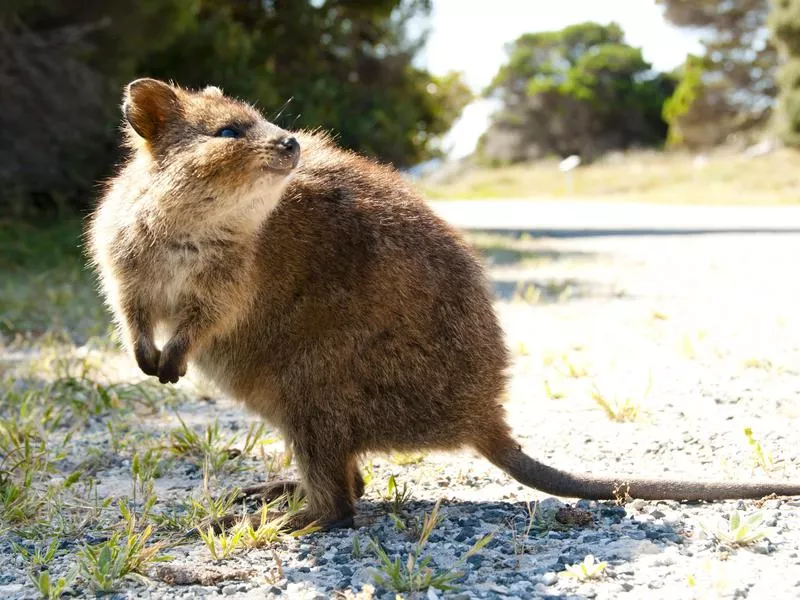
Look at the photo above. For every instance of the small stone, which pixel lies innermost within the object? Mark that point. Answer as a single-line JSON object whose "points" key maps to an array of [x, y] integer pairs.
{"points": [[476, 560], [763, 547], [363, 576], [615, 513], [549, 578], [494, 514], [638, 504], [465, 534], [230, 590]]}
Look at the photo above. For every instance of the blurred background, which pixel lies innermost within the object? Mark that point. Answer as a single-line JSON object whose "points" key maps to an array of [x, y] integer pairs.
{"points": [[457, 92]]}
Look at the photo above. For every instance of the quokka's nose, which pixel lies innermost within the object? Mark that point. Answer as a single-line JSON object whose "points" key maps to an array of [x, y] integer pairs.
{"points": [[291, 147]]}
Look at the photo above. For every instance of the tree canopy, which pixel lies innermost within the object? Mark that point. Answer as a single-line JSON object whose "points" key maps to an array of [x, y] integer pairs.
{"points": [[581, 90], [731, 87], [341, 65]]}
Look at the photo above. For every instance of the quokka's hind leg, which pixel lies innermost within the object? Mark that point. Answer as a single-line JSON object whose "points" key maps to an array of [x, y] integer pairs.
{"points": [[328, 480], [267, 492], [272, 490]]}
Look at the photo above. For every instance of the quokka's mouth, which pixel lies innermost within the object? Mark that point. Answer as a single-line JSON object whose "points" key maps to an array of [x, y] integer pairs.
{"points": [[277, 170], [280, 165]]}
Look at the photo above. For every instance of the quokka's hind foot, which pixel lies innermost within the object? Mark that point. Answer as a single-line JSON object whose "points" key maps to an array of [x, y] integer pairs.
{"points": [[266, 492], [296, 522], [271, 490], [233, 519]]}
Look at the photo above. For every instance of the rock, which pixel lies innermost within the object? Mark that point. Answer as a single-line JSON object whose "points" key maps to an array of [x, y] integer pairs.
{"points": [[362, 576], [549, 578], [628, 548], [476, 560], [763, 547]]}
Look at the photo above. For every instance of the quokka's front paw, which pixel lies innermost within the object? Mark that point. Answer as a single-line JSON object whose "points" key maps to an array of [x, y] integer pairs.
{"points": [[147, 356], [172, 365]]}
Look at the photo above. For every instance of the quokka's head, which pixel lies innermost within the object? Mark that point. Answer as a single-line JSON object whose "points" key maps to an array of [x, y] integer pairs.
{"points": [[207, 153]]}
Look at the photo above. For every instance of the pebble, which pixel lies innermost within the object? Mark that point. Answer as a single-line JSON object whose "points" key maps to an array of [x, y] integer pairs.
{"points": [[549, 578]]}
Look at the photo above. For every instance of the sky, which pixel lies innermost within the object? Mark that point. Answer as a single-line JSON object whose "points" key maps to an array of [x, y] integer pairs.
{"points": [[469, 36]]}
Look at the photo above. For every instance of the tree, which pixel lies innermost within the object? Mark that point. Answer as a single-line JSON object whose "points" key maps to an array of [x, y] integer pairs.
{"points": [[785, 24], [732, 85], [580, 90], [698, 113]]}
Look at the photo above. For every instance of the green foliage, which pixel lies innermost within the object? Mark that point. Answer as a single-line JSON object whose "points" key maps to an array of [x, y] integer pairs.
{"points": [[418, 573], [587, 569], [579, 90], [738, 530], [547, 57], [785, 24], [210, 449], [105, 565], [730, 88], [678, 108], [343, 66]]}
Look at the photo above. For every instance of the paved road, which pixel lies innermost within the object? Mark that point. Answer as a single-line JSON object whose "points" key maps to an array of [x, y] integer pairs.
{"points": [[575, 218]]}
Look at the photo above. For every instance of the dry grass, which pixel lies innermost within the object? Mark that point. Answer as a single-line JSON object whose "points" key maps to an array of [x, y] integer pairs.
{"points": [[722, 177]]}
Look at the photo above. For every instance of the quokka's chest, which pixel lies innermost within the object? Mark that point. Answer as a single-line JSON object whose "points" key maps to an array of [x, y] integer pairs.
{"points": [[176, 277]]}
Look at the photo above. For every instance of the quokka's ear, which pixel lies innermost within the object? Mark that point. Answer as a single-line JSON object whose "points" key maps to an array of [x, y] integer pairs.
{"points": [[148, 105]]}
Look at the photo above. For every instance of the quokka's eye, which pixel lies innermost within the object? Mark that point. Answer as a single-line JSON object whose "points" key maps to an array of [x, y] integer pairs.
{"points": [[229, 132]]}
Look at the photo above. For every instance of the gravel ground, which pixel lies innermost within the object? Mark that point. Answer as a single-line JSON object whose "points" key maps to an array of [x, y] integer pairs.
{"points": [[692, 338]]}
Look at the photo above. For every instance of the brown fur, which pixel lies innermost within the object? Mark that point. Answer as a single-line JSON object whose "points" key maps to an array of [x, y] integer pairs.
{"points": [[330, 299]]}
